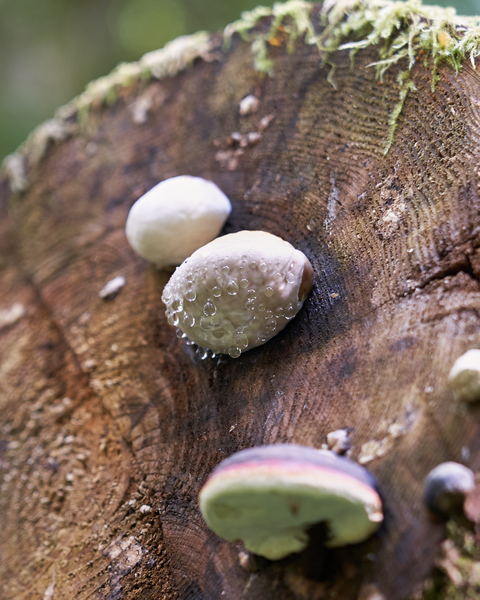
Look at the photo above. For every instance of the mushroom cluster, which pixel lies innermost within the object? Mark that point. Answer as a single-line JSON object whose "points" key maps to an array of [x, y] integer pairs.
{"points": [[238, 291], [269, 497]]}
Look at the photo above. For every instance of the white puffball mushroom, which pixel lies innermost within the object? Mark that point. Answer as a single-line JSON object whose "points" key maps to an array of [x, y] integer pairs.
{"points": [[238, 291], [464, 378], [175, 218]]}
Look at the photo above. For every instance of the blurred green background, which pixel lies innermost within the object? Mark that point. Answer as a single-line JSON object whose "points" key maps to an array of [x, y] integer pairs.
{"points": [[50, 49]]}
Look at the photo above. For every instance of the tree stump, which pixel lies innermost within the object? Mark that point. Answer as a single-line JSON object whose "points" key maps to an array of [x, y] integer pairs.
{"points": [[110, 424]]}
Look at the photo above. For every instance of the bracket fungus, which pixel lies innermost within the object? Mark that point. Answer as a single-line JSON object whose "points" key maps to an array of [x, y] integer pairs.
{"points": [[269, 497], [238, 291], [175, 218], [446, 487], [464, 378]]}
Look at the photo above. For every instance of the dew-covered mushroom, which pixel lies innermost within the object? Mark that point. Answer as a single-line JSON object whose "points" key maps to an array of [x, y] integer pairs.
{"points": [[269, 497], [464, 378], [238, 291], [446, 487], [175, 218]]}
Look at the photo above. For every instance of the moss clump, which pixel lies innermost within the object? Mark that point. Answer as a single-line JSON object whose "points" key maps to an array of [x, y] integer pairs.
{"points": [[457, 568], [402, 31]]}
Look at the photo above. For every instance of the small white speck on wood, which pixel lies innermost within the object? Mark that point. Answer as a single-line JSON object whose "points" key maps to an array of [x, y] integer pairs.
{"points": [[12, 315], [112, 288]]}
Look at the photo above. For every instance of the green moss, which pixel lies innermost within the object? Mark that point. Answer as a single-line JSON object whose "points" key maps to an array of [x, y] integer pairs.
{"points": [[401, 31], [457, 572]]}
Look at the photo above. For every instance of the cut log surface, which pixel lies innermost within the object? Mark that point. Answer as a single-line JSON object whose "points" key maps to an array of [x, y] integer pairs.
{"points": [[110, 424]]}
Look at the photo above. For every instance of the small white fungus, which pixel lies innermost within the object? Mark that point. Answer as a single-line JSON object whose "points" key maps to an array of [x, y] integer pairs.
{"points": [[175, 218], [238, 291], [464, 378]]}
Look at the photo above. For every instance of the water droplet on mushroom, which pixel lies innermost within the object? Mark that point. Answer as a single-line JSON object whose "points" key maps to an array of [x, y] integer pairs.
{"points": [[180, 335], [278, 312], [209, 308], [176, 306], [241, 341], [250, 305], [251, 294], [262, 338], [278, 277], [290, 277], [216, 292], [217, 330], [243, 283], [253, 264], [173, 319], [268, 291], [255, 323], [225, 269], [188, 320], [190, 277], [202, 353], [234, 352], [270, 325], [261, 307], [289, 312], [190, 295], [166, 296], [232, 288], [262, 267]]}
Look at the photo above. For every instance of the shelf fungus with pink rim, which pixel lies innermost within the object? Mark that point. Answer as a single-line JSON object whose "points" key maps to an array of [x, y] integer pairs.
{"points": [[270, 496], [238, 291]]}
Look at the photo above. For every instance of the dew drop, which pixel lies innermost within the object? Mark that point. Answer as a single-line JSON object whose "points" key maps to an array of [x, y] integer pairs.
{"points": [[241, 341], [253, 264], [234, 352], [251, 294], [243, 283], [289, 312], [255, 323], [232, 288], [225, 269], [261, 338], [190, 295], [209, 308], [250, 305], [216, 292], [180, 335], [166, 296], [188, 342], [176, 306], [202, 353], [278, 312], [219, 280], [190, 277], [270, 325], [278, 277], [268, 291], [262, 267], [217, 330], [261, 307], [290, 277], [173, 319], [188, 320]]}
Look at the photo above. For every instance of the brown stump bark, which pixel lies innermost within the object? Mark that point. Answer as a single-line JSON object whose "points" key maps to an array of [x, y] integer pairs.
{"points": [[110, 424]]}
